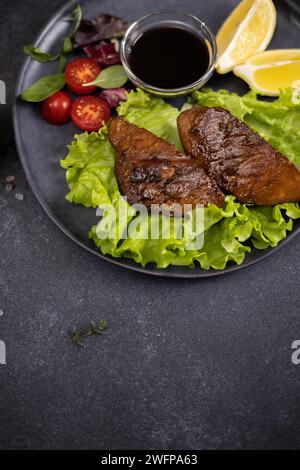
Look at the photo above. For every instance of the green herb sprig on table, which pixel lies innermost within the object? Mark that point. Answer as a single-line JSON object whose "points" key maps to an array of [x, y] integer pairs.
{"points": [[78, 337]]}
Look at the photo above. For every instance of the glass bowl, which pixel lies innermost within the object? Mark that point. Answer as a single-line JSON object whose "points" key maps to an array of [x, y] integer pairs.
{"points": [[176, 19]]}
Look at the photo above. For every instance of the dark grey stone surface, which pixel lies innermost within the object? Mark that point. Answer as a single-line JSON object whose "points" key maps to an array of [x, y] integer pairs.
{"points": [[184, 364]]}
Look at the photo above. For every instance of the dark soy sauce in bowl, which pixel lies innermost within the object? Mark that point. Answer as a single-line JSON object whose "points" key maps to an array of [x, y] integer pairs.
{"points": [[169, 57], [169, 54]]}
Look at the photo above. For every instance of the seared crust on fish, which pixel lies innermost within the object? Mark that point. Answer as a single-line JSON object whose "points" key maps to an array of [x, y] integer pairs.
{"points": [[240, 161], [149, 170]]}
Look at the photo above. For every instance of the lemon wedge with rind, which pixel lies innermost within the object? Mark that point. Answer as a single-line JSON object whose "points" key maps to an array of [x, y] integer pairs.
{"points": [[283, 71], [247, 31], [274, 55]]}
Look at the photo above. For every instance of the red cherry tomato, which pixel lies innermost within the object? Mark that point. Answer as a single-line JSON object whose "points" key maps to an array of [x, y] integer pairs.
{"points": [[89, 113], [57, 108], [80, 71]]}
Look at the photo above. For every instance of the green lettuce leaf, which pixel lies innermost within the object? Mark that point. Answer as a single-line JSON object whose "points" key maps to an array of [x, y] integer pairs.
{"points": [[90, 166], [229, 233], [153, 114]]}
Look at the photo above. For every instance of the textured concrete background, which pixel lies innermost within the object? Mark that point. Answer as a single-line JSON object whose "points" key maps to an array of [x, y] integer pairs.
{"points": [[184, 364]]}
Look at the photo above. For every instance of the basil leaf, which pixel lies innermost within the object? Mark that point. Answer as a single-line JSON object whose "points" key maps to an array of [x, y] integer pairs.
{"points": [[61, 63], [44, 88], [37, 54], [77, 16], [67, 46], [111, 77]]}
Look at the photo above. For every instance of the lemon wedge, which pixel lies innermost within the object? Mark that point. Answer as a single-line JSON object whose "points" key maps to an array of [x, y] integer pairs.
{"points": [[274, 55], [247, 31], [270, 71]]}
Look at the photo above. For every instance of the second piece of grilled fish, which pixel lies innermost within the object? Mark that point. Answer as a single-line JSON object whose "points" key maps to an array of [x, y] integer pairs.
{"points": [[241, 162]]}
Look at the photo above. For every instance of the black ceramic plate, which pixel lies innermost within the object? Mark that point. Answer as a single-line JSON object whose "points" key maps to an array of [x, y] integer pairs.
{"points": [[41, 146]]}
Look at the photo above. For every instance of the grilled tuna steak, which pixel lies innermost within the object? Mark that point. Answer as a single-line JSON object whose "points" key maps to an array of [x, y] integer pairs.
{"points": [[149, 170], [237, 158]]}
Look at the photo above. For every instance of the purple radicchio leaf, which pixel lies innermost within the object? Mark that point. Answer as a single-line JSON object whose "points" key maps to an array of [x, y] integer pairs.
{"points": [[113, 96], [103, 53], [103, 26]]}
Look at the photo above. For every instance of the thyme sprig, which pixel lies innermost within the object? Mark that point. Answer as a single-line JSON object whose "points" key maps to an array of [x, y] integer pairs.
{"points": [[78, 337]]}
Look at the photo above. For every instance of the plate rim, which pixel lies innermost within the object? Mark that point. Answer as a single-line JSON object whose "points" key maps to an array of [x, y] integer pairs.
{"points": [[191, 273]]}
